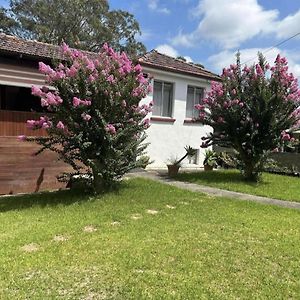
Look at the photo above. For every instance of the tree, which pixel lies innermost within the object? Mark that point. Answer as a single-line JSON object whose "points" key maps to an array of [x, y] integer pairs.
{"points": [[252, 110], [95, 122], [82, 24]]}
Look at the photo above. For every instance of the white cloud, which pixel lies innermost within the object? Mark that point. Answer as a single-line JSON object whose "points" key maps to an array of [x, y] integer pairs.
{"points": [[154, 6], [188, 59], [289, 26], [185, 40], [227, 57], [228, 22], [168, 50]]}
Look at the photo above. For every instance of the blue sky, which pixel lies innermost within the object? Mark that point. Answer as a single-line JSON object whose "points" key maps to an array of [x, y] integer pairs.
{"points": [[211, 31]]}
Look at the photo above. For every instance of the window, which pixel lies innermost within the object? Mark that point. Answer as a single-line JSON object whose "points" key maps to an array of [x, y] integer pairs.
{"points": [[194, 96], [162, 98], [18, 99]]}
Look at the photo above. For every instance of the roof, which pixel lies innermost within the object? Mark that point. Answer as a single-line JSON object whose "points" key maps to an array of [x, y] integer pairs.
{"points": [[34, 49], [156, 60], [153, 59]]}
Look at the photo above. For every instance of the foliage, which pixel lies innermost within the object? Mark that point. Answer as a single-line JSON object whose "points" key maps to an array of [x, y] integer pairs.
{"points": [[189, 151], [144, 161], [210, 158], [226, 160], [252, 110], [95, 122], [83, 24]]}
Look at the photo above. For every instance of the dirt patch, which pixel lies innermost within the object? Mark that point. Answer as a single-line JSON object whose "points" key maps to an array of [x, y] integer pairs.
{"points": [[136, 216], [89, 228], [152, 211], [30, 247], [60, 238], [170, 206]]}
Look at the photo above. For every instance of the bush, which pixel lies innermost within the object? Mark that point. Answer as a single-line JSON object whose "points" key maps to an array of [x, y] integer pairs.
{"points": [[252, 110], [95, 122]]}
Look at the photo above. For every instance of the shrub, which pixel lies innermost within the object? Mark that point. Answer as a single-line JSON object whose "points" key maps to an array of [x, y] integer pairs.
{"points": [[252, 110], [95, 122]]}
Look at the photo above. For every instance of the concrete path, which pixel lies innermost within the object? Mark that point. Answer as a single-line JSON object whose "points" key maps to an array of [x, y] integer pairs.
{"points": [[213, 191]]}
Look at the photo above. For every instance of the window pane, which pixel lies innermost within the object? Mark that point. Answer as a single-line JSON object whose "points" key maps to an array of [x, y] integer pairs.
{"points": [[167, 100], [190, 102], [157, 98]]}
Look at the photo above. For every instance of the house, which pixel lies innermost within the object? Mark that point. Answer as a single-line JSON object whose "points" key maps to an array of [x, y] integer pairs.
{"points": [[177, 87]]}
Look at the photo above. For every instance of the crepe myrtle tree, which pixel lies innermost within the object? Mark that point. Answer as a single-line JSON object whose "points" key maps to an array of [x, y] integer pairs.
{"points": [[252, 110], [95, 122]]}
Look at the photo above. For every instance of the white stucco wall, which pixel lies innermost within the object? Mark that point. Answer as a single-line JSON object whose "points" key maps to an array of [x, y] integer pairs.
{"points": [[169, 139]]}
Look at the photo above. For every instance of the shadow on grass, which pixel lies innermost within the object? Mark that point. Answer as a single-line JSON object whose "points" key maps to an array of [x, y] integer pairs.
{"points": [[43, 199], [219, 177], [49, 199]]}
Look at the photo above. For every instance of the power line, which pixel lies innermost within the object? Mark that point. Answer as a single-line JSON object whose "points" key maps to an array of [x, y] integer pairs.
{"points": [[271, 48]]}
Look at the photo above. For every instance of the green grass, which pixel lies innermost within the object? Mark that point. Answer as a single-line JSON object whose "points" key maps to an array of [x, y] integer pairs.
{"points": [[270, 185], [204, 248]]}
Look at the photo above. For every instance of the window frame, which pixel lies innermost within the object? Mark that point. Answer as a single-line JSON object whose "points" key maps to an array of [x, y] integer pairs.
{"points": [[194, 87], [163, 82]]}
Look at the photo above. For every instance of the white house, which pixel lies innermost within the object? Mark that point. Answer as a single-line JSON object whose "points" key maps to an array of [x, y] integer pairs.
{"points": [[177, 87]]}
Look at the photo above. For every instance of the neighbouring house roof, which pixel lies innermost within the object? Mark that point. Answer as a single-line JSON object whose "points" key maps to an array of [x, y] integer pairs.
{"points": [[156, 60], [33, 49]]}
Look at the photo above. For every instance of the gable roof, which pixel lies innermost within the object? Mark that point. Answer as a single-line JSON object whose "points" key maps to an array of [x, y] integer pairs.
{"points": [[156, 60], [37, 50]]}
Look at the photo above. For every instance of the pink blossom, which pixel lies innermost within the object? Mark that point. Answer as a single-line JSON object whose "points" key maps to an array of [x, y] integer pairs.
{"points": [[76, 101], [110, 79], [138, 68], [110, 129], [22, 138], [45, 69], [72, 72], [90, 66], [259, 70], [199, 107], [65, 49], [36, 91], [285, 136], [31, 124], [91, 78], [146, 123], [86, 117], [141, 79], [60, 125]]}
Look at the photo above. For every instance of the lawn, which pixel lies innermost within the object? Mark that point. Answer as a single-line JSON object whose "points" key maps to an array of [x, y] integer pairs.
{"points": [[147, 241], [270, 185]]}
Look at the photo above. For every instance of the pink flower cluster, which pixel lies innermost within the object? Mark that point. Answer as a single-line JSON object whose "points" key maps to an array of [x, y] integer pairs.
{"points": [[43, 122], [77, 102], [110, 129]]}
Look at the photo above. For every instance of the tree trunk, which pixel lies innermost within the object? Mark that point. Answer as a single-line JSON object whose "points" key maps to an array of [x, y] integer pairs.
{"points": [[250, 174], [98, 182]]}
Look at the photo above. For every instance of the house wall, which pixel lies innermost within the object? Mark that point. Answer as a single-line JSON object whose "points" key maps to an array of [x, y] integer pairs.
{"points": [[168, 139]]}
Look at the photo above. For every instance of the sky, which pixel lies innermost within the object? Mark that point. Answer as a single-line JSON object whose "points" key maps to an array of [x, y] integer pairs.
{"points": [[210, 32]]}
